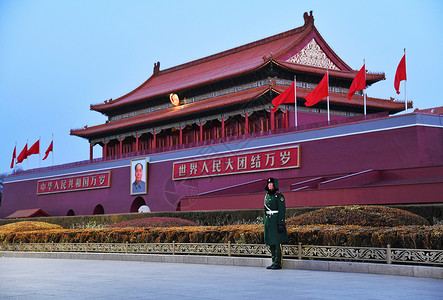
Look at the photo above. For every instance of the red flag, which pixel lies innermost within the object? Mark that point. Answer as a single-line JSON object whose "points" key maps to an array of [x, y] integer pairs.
{"points": [[13, 157], [47, 151], [23, 155], [321, 91], [400, 74], [359, 82], [286, 97], [35, 149]]}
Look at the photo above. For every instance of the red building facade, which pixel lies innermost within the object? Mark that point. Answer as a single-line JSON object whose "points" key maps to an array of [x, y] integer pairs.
{"points": [[217, 146]]}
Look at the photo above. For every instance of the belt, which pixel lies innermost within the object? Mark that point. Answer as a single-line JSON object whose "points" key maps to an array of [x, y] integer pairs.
{"points": [[271, 212]]}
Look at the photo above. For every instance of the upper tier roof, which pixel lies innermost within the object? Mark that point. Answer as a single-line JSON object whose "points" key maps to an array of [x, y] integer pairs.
{"points": [[281, 49]]}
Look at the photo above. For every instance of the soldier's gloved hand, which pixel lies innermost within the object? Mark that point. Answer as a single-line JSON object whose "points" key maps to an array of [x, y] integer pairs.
{"points": [[281, 228]]}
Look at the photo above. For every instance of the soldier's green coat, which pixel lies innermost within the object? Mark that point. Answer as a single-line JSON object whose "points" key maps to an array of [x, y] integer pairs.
{"points": [[274, 200]]}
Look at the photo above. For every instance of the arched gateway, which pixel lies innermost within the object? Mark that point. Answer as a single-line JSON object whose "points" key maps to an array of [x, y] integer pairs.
{"points": [[139, 201]]}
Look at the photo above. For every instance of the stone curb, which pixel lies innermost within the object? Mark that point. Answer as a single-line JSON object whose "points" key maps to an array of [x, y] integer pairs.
{"points": [[312, 265]]}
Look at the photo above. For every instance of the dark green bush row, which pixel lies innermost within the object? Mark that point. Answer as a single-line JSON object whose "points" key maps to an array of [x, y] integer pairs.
{"points": [[203, 218], [431, 212]]}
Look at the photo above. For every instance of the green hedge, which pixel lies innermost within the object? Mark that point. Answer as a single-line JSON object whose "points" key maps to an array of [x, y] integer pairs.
{"points": [[203, 218], [413, 237], [431, 212]]}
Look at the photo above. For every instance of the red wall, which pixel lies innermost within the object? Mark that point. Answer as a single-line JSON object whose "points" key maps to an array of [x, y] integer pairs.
{"points": [[408, 147]]}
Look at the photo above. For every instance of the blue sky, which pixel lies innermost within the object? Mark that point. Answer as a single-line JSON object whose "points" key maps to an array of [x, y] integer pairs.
{"points": [[58, 57]]}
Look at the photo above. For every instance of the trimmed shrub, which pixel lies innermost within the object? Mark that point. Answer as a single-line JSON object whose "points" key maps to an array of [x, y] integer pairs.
{"points": [[362, 215], [412, 237], [28, 226], [355, 226]]}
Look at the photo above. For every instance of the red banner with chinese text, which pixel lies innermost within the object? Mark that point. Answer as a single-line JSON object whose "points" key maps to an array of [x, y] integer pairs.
{"points": [[75, 183], [277, 159]]}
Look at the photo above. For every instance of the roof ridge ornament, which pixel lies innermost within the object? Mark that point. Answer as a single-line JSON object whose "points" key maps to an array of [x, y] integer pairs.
{"points": [[309, 19], [156, 68]]}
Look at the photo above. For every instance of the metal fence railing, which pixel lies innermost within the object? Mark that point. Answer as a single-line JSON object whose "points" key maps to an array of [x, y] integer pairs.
{"points": [[377, 255]]}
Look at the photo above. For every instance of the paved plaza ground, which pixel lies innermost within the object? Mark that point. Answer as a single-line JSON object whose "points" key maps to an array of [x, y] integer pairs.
{"points": [[46, 278]]}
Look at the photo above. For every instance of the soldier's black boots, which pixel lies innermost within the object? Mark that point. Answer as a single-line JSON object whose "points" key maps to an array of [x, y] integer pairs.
{"points": [[273, 267]]}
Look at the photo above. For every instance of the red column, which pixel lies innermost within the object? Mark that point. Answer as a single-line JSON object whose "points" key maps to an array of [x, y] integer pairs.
{"points": [[155, 141], [121, 146], [168, 139], [91, 152], [272, 120], [105, 149], [181, 136], [283, 120], [246, 123], [286, 118], [223, 127], [201, 131], [136, 143]]}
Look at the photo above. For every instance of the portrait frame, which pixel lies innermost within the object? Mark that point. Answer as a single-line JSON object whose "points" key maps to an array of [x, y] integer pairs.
{"points": [[144, 177]]}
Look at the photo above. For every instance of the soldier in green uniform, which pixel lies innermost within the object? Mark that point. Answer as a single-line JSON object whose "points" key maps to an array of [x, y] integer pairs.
{"points": [[275, 232]]}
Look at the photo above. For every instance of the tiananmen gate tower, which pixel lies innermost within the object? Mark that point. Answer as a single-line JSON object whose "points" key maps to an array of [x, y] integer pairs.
{"points": [[203, 136]]}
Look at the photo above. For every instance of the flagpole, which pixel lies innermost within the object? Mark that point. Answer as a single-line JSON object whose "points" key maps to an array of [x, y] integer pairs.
{"points": [[15, 158], [39, 155], [27, 159], [406, 103], [327, 73], [52, 155], [364, 90], [295, 100]]}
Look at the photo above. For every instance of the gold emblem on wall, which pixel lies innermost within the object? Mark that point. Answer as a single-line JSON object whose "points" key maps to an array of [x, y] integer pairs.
{"points": [[174, 99]]}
